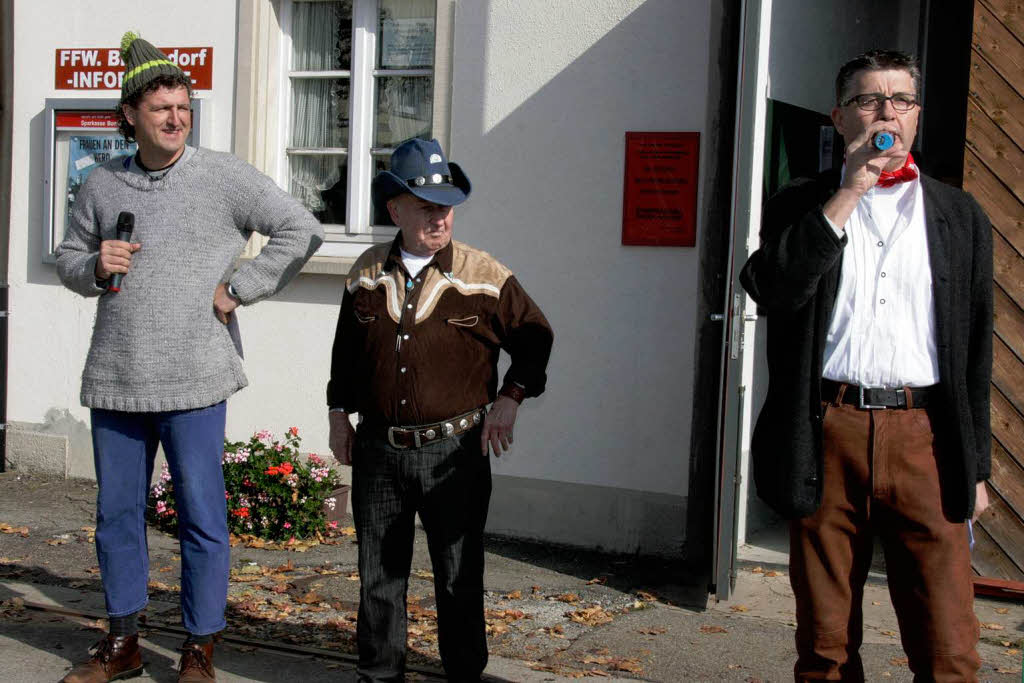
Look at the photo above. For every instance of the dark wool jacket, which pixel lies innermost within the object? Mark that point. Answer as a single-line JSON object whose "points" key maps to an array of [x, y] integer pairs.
{"points": [[794, 276]]}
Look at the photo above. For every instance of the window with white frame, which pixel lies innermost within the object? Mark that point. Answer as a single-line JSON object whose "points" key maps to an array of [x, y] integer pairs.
{"points": [[360, 78]]}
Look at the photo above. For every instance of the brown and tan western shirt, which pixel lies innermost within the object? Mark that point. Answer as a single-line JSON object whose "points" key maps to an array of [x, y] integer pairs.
{"points": [[412, 351]]}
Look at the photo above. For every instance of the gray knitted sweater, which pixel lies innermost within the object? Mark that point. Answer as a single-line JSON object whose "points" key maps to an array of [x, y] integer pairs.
{"points": [[158, 345]]}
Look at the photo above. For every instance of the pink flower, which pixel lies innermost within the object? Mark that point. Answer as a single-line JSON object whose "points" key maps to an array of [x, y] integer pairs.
{"points": [[287, 525], [333, 524], [227, 496], [278, 448], [160, 507]]}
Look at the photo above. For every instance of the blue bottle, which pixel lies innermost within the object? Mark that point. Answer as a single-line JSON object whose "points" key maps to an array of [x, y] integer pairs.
{"points": [[883, 141]]}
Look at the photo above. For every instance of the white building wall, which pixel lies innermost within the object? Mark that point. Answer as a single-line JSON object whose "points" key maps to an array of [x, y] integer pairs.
{"points": [[543, 93], [542, 96], [287, 340]]}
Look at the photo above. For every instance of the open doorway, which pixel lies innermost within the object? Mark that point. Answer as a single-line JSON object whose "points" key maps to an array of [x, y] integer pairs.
{"points": [[797, 140]]}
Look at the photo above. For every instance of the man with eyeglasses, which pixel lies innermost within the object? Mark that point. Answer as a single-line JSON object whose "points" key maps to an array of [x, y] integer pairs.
{"points": [[877, 283]]}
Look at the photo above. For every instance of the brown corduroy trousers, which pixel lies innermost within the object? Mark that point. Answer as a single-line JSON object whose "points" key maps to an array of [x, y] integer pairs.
{"points": [[881, 479]]}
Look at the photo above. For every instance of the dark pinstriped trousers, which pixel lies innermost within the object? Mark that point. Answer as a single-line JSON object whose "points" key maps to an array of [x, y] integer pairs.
{"points": [[449, 484], [881, 478]]}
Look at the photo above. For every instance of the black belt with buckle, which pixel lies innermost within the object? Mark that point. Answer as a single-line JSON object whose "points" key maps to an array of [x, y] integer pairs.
{"points": [[420, 435], [871, 398]]}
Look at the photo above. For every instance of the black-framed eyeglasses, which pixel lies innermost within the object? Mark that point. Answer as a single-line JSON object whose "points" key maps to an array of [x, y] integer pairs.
{"points": [[901, 101]]}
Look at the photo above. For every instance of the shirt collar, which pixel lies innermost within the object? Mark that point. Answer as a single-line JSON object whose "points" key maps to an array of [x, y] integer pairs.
{"points": [[443, 258]]}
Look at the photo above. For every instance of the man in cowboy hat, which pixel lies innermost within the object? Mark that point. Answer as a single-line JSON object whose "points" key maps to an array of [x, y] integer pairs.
{"points": [[164, 356], [415, 355]]}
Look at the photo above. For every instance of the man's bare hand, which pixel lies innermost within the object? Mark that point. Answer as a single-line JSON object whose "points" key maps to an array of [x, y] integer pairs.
{"points": [[115, 257], [980, 500], [498, 426], [223, 303], [341, 437]]}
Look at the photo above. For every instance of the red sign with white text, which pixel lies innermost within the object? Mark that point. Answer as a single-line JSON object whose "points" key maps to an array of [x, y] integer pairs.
{"points": [[659, 206], [100, 120], [100, 68]]}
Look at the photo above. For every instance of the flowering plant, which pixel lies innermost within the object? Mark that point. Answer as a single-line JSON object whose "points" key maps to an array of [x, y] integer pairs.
{"points": [[270, 492]]}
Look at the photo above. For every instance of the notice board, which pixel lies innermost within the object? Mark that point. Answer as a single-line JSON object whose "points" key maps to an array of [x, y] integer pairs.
{"points": [[659, 206]]}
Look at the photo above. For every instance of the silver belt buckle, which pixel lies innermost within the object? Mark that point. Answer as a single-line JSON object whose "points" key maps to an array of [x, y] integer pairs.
{"points": [[866, 406], [415, 437]]}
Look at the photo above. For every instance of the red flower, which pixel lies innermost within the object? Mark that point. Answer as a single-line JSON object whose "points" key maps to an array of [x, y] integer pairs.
{"points": [[286, 468], [241, 512], [274, 469], [294, 431]]}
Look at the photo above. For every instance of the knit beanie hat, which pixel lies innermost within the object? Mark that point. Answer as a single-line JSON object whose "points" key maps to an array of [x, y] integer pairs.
{"points": [[142, 64]]}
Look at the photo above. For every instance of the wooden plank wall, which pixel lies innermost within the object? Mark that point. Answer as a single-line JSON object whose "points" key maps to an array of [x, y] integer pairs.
{"points": [[994, 174]]}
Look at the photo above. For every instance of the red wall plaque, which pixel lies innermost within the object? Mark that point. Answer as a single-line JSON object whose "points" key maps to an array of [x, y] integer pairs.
{"points": [[659, 206], [100, 68]]}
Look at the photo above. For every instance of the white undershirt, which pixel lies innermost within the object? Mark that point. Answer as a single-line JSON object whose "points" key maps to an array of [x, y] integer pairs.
{"points": [[413, 263], [882, 332]]}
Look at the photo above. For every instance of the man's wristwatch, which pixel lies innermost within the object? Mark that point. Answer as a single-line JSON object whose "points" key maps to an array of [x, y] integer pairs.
{"points": [[233, 294]]}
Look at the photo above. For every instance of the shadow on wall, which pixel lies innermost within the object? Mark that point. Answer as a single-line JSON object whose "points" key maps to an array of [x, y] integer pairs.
{"points": [[547, 168]]}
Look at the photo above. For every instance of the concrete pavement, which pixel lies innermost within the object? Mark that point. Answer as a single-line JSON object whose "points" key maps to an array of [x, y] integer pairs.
{"points": [[553, 614]]}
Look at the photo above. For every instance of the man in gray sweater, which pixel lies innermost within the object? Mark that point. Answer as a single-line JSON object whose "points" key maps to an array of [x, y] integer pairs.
{"points": [[163, 358]]}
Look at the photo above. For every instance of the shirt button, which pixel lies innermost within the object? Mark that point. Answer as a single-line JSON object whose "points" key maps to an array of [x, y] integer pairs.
{"points": [[403, 368], [881, 301], [403, 401], [418, 280], [408, 305], [405, 336], [883, 274], [880, 243]]}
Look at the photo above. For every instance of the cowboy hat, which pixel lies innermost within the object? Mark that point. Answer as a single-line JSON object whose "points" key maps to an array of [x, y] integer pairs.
{"points": [[420, 167]]}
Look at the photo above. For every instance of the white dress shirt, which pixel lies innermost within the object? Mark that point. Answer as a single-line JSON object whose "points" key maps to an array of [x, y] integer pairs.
{"points": [[882, 332]]}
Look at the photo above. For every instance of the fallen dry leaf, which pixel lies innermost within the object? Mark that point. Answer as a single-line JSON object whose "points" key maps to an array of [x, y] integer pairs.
{"points": [[1012, 653], [424, 574], [6, 528], [514, 595], [600, 579], [590, 616], [891, 634], [652, 631], [628, 665], [311, 598], [899, 661], [56, 541], [757, 570], [646, 597], [1008, 670], [1002, 610], [535, 589], [876, 603], [993, 626], [568, 597], [710, 628], [739, 608], [773, 574]]}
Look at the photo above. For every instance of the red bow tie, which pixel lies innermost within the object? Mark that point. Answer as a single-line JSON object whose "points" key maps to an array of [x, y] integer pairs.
{"points": [[901, 175]]}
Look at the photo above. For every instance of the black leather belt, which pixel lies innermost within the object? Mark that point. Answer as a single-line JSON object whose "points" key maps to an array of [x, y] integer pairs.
{"points": [[421, 435], [869, 398]]}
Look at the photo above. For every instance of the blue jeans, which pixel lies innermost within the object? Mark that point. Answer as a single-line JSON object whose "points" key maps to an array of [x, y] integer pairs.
{"points": [[124, 446]]}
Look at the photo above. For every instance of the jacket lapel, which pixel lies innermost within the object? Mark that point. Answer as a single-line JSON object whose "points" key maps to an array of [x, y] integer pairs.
{"points": [[940, 253]]}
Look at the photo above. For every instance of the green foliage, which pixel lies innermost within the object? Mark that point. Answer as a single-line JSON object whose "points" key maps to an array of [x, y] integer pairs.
{"points": [[270, 492]]}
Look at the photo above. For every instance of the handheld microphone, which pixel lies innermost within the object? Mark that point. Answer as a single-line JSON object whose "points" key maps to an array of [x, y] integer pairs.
{"points": [[125, 226], [883, 141]]}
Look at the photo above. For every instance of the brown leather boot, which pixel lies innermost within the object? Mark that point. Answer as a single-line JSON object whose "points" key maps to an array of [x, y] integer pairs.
{"points": [[196, 663], [114, 659]]}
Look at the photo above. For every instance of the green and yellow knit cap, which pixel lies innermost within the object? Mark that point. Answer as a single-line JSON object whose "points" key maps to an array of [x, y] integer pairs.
{"points": [[142, 64]]}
